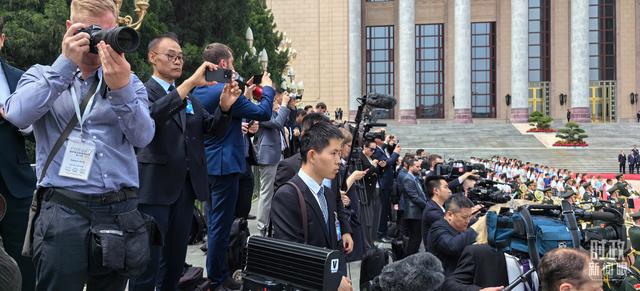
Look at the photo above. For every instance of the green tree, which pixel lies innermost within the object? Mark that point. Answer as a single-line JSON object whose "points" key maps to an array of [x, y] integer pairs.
{"points": [[539, 120], [572, 133]]}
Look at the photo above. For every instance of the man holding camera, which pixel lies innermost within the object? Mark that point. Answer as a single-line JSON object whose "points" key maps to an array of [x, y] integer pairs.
{"points": [[172, 168], [387, 166], [414, 203], [226, 161], [93, 176], [270, 143]]}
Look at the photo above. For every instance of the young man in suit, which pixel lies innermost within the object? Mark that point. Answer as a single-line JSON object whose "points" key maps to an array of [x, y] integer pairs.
{"points": [[270, 143], [320, 151], [439, 192], [449, 236], [17, 179], [387, 163], [371, 206], [414, 202], [226, 161], [172, 167], [622, 160]]}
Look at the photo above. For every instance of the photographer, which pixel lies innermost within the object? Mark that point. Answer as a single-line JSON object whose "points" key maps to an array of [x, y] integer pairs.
{"points": [[270, 143], [434, 159], [17, 179], [321, 108], [226, 161], [172, 167], [387, 163], [450, 235], [462, 184], [371, 206], [320, 152], [78, 185]]}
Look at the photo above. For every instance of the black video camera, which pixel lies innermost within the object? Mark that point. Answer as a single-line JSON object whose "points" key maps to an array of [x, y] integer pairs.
{"points": [[374, 135], [122, 39], [486, 193]]}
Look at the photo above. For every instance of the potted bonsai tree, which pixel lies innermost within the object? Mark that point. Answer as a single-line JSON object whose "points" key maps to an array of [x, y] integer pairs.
{"points": [[571, 136], [540, 122]]}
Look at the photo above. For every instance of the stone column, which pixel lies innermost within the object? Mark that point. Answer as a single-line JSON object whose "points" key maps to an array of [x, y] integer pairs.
{"points": [[519, 61], [580, 110], [462, 91], [355, 56], [407, 60]]}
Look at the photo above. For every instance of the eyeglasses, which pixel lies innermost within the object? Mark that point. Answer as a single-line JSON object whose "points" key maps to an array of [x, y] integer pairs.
{"points": [[372, 149], [172, 57]]}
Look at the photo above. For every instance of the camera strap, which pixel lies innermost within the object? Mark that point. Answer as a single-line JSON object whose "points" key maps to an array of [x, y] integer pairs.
{"points": [[81, 111], [531, 236], [571, 222]]}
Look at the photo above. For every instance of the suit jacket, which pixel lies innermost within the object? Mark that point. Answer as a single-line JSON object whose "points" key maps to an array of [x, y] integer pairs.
{"points": [[400, 188], [225, 153], [631, 159], [431, 213], [480, 266], [286, 218], [177, 148], [268, 139], [621, 159], [387, 174], [287, 168], [15, 169], [371, 178], [447, 244], [415, 200]]}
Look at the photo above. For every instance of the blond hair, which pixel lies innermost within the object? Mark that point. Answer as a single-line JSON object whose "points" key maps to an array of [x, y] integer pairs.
{"points": [[81, 8]]}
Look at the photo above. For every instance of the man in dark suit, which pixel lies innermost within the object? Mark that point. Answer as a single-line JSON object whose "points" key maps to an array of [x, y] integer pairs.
{"points": [[289, 167], [245, 189], [226, 162], [172, 167], [622, 160], [414, 203], [17, 179], [270, 143], [386, 179], [320, 151], [632, 162], [449, 236], [371, 205], [439, 192], [480, 266]]}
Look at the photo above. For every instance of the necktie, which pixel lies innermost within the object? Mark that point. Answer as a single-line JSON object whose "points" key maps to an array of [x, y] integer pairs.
{"points": [[323, 205], [171, 88]]}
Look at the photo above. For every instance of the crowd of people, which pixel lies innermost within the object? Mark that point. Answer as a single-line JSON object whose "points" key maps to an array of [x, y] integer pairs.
{"points": [[120, 163]]}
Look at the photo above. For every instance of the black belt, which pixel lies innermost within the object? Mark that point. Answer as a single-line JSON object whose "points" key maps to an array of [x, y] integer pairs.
{"points": [[103, 198]]}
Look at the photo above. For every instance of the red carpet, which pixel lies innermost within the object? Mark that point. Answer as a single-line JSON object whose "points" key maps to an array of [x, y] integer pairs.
{"points": [[613, 176]]}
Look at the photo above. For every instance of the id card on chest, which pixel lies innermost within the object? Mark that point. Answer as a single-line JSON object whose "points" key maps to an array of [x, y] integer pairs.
{"points": [[78, 157]]}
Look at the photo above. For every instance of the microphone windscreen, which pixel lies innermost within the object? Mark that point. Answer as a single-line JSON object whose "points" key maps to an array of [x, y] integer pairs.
{"points": [[419, 272], [379, 100]]}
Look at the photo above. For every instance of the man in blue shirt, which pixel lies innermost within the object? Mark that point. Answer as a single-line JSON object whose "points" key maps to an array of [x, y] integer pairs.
{"points": [[105, 136], [226, 162]]}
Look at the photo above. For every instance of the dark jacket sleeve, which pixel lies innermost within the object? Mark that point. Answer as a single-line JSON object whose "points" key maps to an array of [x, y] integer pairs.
{"points": [[215, 124], [164, 107], [285, 215], [449, 244], [454, 184], [343, 215], [463, 277], [284, 173], [411, 188]]}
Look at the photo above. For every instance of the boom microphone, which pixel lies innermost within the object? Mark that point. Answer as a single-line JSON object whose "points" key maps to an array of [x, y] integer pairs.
{"points": [[379, 100], [421, 271]]}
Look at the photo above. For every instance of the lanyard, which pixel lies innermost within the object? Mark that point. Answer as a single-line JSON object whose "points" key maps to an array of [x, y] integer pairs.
{"points": [[76, 105]]}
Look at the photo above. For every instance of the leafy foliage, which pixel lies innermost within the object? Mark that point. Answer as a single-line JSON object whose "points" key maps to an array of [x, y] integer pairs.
{"points": [[539, 120], [572, 134], [35, 28]]}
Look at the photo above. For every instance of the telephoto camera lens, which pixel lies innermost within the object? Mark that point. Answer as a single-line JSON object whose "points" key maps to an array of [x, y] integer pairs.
{"points": [[121, 39]]}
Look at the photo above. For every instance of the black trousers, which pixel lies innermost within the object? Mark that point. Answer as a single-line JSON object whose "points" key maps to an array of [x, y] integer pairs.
{"points": [[414, 230], [385, 212], [245, 192], [631, 167], [167, 261], [623, 168], [12, 230]]}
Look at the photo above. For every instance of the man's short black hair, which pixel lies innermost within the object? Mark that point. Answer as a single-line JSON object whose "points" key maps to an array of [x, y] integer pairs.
{"points": [[433, 182], [433, 158], [317, 138], [456, 202], [301, 112], [408, 161], [308, 107], [214, 52], [154, 42], [419, 152], [321, 105], [311, 119], [563, 265]]}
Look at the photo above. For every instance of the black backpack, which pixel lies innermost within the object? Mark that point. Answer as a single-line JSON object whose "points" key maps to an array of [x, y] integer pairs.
{"points": [[198, 227], [237, 254]]}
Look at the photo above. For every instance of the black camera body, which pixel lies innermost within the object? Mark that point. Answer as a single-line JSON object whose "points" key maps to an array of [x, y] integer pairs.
{"points": [[122, 39], [373, 135]]}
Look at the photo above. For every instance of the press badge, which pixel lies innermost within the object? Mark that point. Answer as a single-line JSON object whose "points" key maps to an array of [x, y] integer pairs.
{"points": [[189, 109], [338, 233], [78, 158]]}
